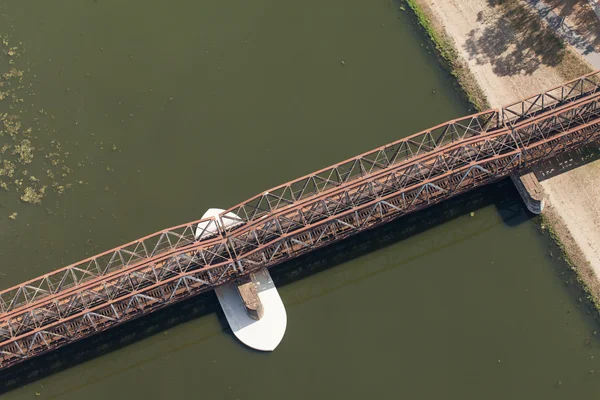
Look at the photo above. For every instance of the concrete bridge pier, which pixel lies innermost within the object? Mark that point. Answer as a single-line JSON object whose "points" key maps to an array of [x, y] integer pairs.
{"points": [[530, 190], [251, 304], [248, 292]]}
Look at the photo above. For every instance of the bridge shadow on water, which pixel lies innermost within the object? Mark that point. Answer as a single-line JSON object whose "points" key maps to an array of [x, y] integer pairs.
{"points": [[502, 195]]}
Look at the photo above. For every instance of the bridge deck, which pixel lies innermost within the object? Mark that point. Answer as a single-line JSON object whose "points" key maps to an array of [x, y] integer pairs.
{"points": [[292, 219]]}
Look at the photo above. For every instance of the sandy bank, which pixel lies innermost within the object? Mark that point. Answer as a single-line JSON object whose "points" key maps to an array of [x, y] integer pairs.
{"points": [[512, 55]]}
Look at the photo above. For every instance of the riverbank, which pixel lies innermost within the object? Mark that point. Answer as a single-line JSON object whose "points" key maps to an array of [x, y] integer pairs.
{"points": [[511, 54]]}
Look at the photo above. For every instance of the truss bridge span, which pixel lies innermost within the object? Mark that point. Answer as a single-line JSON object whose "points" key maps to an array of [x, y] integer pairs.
{"points": [[360, 193]]}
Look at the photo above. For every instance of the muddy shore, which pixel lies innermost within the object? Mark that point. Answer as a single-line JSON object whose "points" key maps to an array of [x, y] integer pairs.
{"points": [[511, 54]]}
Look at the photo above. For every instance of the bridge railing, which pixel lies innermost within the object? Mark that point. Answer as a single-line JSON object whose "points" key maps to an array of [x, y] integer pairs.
{"points": [[161, 269], [411, 186], [361, 166], [551, 99], [329, 205], [135, 253], [61, 320], [127, 255], [462, 167], [548, 125], [420, 171], [260, 236]]}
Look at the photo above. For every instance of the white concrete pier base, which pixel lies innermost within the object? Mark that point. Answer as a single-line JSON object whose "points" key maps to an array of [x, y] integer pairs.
{"points": [[266, 333], [530, 190]]}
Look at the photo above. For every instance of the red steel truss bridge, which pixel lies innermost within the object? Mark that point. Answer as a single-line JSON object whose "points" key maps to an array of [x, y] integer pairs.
{"points": [[360, 193]]}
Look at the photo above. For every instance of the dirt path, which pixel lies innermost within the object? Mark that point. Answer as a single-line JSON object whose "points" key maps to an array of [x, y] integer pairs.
{"points": [[508, 63], [581, 16], [581, 38], [513, 55]]}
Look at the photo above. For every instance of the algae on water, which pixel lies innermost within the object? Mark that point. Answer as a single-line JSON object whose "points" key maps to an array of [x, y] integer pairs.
{"points": [[24, 151], [7, 169], [18, 144], [33, 196]]}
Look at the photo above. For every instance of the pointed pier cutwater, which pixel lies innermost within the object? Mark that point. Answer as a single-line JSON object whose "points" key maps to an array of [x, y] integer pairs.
{"points": [[252, 305]]}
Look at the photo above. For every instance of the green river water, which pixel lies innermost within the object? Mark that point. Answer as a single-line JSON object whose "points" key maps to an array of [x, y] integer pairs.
{"points": [[156, 111]]}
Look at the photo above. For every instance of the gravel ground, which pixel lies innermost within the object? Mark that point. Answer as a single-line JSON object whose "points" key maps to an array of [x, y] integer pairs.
{"points": [[512, 56]]}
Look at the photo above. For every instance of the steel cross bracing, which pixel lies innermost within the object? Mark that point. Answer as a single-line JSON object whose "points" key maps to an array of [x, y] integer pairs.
{"points": [[71, 277], [329, 205], [552, 98]]}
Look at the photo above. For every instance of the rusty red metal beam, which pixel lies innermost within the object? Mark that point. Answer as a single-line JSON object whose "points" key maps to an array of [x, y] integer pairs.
{"points": [[292, 219]]}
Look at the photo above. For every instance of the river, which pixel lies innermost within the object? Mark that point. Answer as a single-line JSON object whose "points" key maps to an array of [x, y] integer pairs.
{"points": [[156, 111]]}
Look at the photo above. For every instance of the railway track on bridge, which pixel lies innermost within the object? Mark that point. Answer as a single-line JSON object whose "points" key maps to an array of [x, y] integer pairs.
{"points": [[329, 205]]}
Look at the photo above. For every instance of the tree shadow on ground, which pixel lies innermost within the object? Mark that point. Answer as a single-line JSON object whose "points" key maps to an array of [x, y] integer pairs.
{"points": [[582, 17], [555, 16], [513, 40]]}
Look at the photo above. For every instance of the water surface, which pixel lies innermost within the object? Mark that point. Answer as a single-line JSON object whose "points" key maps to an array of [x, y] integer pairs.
{"points": [[169, 108]]}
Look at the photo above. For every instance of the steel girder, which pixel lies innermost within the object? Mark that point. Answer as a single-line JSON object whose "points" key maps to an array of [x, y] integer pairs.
{"points": [[255, 235], [362, 166], [70, 278], [73, 276], [551, 99], [371, 189]]}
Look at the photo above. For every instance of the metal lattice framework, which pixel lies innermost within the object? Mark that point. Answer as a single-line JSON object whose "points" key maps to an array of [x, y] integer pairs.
{"points": [[364, 165], [71, 277], [300, 216], [552, 98]]}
